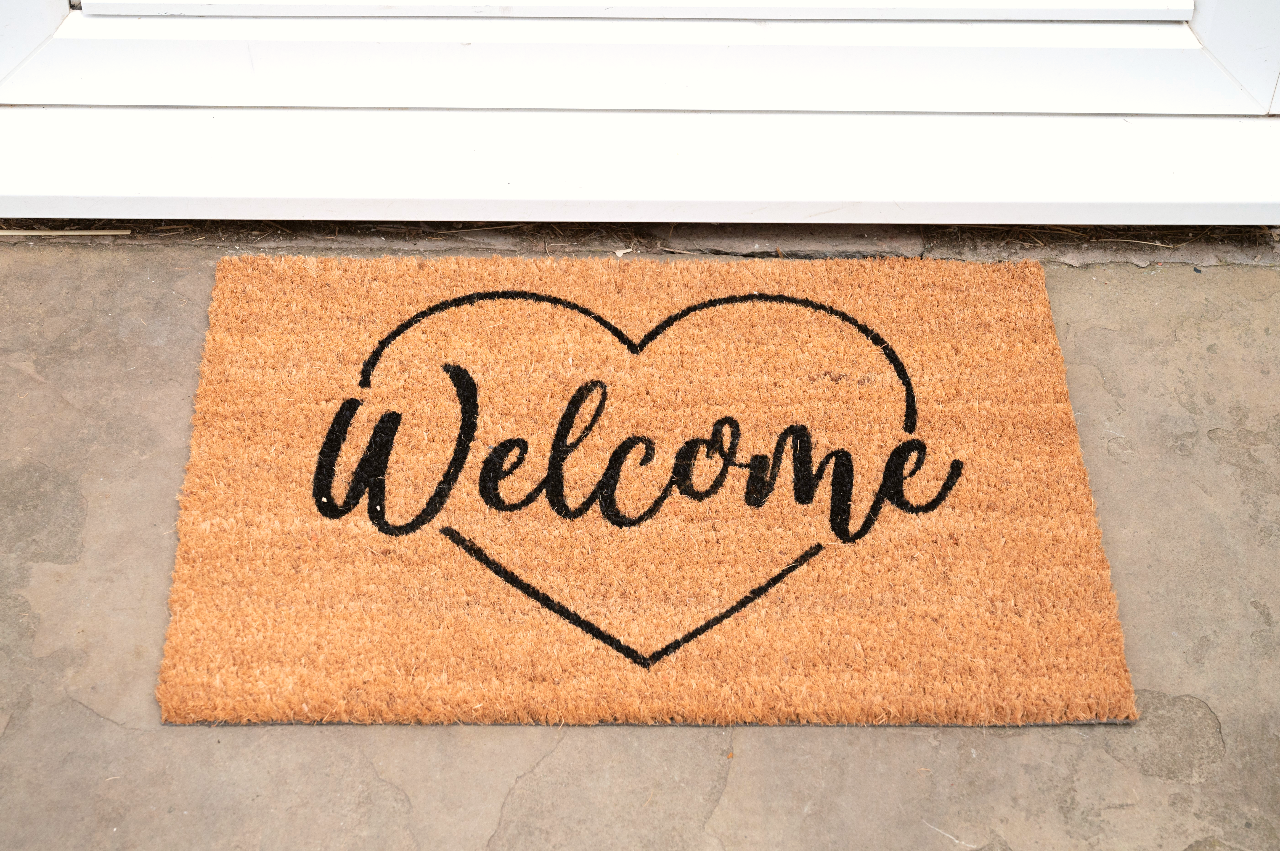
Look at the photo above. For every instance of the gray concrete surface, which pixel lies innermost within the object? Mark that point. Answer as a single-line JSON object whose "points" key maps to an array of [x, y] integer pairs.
{"points": [[1174, 376]]}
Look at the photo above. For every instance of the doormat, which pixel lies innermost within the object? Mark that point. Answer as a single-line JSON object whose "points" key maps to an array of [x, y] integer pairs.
{"points": [[581, 491]]}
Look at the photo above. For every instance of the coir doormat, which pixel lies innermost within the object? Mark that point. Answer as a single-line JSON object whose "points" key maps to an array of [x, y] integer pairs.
{"points": [[583, 491]]}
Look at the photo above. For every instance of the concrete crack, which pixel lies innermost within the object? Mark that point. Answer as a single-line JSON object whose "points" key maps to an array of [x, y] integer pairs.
{"points": [[724, 786], [396, 786], [502, 813], [949, 836], [75, 699]]}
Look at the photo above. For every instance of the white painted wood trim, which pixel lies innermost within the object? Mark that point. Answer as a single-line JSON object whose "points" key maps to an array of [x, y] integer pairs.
{"points": [[1070, 68], [605, 166], [24, 26], [1244, 35], [1007, 10]]}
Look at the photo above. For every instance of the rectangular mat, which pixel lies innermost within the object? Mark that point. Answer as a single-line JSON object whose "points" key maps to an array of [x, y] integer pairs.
{"points": [[585, 491]]}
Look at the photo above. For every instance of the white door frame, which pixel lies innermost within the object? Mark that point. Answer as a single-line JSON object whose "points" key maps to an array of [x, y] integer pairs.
{"points": [[24, 26], [1244, 35], [608, 165]]}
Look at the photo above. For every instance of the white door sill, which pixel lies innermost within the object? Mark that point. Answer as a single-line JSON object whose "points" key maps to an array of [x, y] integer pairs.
{"points": [[427, 165]]}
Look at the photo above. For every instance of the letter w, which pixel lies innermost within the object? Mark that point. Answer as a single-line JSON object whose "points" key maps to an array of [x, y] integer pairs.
{"points": [[371, 472]]}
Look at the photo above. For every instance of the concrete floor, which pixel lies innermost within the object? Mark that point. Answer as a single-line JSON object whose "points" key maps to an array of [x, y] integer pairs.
{"points": [[1170, 372]]}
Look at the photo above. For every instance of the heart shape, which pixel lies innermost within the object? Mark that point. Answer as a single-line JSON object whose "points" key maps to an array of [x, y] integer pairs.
{"points": [[748, 387]]}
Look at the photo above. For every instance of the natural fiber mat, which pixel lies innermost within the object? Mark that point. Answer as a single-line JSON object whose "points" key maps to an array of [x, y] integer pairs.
{"points": [[588, 491]]}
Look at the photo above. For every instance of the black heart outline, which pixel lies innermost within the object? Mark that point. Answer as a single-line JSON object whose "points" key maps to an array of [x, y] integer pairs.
{"points": [[540, 597]]}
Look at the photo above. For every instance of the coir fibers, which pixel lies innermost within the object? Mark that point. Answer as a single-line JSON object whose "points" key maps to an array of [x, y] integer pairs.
{"points": [[584, 491]]}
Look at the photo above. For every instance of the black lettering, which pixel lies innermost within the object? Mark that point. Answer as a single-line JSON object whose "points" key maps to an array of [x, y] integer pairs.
{"points": [[370, 471], [687, 459], [896, 474], [496, 468], [763, 476], [894, 479], [369, 477], [562, 447], [370, 474], [608, 487]]}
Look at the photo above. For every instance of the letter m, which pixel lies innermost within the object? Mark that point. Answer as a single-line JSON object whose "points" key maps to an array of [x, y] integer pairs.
{"points": [[763, 476]]}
